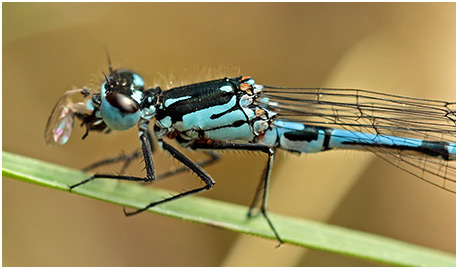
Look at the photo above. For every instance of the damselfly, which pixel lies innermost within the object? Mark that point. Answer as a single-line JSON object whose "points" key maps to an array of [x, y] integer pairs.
{"points": [[416, 135]]}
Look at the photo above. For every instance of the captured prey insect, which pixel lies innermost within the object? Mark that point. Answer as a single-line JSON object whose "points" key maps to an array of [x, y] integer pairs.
{"points": [[416, 135]]}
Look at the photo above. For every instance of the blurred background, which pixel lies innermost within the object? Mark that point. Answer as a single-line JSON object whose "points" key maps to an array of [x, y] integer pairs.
{"points": [[406, 49]]}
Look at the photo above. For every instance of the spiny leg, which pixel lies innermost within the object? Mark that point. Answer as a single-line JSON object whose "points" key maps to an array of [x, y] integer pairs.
{"points": [[265, 180], [147, 155], [214, 157], [209, 182], [126, 158], [261, 186], [265, 183]]}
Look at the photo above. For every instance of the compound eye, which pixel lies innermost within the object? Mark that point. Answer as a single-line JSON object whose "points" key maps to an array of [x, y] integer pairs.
{"points": [[122, 102]]}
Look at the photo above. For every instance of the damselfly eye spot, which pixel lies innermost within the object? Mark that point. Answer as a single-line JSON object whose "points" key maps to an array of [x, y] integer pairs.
{"points": [[122, 102]]}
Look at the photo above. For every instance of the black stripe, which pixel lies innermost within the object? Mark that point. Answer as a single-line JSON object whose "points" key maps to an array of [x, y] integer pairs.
{"points": [[237, 123], [430, 148], [219, 115], [308, 136], [437, 149]]}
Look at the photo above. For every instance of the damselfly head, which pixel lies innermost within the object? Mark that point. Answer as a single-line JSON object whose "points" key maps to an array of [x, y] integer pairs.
{"points": [[121, 95], [116, 107]]}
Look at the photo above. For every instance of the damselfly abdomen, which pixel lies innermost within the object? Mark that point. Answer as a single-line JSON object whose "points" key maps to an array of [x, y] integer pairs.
{"points": [[416, 135]]}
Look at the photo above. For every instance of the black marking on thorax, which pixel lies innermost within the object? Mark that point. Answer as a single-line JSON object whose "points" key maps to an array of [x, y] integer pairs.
{"points": [[202, 95]]}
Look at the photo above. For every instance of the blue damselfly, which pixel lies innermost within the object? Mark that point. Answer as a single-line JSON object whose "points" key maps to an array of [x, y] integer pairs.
{"points": [[416, 135]]}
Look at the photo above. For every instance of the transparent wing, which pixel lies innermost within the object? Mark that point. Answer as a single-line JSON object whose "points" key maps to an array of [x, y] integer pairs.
{"points": [[376, 113], [60, 123]]}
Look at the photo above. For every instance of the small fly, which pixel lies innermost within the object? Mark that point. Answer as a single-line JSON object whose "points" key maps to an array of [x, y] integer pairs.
{"points": [[416, 135]]}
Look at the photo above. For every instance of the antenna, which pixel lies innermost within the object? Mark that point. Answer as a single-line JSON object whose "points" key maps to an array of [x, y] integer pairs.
{"points": [[106, 78], [108, 58]]}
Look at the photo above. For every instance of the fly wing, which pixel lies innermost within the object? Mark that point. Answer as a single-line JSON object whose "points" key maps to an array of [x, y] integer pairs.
{"points": [[376, 113], [60, 123]]}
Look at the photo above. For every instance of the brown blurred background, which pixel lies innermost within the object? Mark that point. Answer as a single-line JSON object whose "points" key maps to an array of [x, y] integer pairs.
{"points": [[406, 48]]}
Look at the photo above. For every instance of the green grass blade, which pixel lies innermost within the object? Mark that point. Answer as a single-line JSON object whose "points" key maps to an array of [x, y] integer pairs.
{"points": [[233, 217]]}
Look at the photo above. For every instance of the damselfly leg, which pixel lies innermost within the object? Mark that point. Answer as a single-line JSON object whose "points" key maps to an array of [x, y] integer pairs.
{"points": [[213, 157], [149, 165], [206, 178], [123, 157], [150, 174], [126, 158], [265, 178]]}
